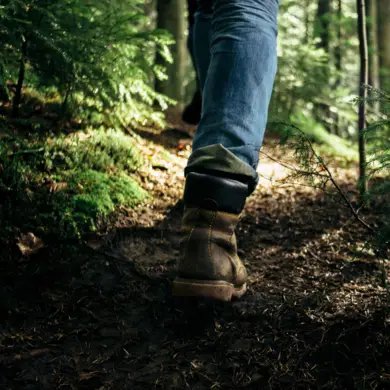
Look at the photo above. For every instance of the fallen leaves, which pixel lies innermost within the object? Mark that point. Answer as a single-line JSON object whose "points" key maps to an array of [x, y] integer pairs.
{"points": [[314, 316], [29, 244]]}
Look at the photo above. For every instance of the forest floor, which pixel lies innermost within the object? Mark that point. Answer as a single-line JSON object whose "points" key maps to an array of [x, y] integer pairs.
{"points": [[101, 316]]}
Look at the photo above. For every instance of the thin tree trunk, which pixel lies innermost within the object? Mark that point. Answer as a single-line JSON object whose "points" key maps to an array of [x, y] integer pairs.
{"points": [[338, 60], [372, 36], [323, 13], [19, 85], [384, 43], [171, 17], [362, 32], [64, 105], [322, 30], [3, 87], [337, 52]]}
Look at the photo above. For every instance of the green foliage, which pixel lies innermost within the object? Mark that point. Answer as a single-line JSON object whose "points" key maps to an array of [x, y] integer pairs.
{"points": [[313, 168], [308, 81], [329, 144], [310, 162], [99, 55], [378, 167], [301, 78], [95, 61], [68, 185]]}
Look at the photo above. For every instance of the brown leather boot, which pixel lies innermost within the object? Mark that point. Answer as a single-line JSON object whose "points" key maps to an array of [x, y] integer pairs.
{"points": [[209, 265]]}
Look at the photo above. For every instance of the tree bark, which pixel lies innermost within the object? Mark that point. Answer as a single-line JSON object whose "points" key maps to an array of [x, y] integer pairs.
{"points": [[384, 43], [337, 53], [338, 60], [323, 33], [3, 86], [373, 52], [372, 36], [171, 17], [362, 32], [323, 13]]}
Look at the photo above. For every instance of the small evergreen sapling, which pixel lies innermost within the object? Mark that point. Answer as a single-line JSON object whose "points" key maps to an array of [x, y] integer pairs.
{"points": [[99, 55]]}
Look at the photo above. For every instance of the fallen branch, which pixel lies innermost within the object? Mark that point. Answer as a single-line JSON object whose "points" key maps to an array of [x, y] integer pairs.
{"points": [[26, 355]]}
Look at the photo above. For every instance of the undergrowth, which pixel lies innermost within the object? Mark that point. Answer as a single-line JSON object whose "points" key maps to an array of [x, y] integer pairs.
{"points": [[325, 143], [318, 175], [66, 185]]}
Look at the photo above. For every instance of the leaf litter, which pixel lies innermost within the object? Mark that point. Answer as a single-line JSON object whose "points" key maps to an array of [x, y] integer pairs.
{"points": [[101, 316]]}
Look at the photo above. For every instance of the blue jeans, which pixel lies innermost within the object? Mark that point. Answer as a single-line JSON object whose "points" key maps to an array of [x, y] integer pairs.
{"points": [[235, 54]]}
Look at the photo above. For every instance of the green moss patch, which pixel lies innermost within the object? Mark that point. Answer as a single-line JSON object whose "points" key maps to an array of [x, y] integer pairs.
{"points": [[67, 185]]}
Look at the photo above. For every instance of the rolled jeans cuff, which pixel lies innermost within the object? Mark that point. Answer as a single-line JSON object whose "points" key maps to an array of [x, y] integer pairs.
{"points": [[219, 161]]}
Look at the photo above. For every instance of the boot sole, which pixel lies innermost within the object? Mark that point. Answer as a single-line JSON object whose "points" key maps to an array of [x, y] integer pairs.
{"points": [[215, 290]]}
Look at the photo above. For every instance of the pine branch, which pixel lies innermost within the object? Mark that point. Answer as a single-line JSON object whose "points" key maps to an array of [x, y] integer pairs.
{"points": [[330, 177]]}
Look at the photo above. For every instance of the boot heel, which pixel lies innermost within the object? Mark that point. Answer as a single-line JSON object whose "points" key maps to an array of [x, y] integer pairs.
{"points": [[217, 290]]}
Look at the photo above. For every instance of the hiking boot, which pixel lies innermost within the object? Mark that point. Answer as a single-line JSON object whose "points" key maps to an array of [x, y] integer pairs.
{"points": [[209, 265]]}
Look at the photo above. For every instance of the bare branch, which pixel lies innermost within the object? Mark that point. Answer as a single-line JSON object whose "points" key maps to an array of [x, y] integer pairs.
{"points": [[331, 179]]}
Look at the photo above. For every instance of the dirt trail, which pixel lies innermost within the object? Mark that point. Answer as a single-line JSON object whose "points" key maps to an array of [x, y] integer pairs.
{"points": [[102, 317]]}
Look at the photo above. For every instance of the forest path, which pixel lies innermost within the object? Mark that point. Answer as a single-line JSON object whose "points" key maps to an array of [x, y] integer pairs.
{"points": [[314, 317]]}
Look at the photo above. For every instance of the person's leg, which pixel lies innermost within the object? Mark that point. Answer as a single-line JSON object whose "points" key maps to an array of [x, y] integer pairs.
{"points": [[221, 171], [202, 38], [237, 83]]}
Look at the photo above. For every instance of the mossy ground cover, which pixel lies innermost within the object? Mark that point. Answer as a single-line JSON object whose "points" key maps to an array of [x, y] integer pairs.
{"points": [[66, 185]]}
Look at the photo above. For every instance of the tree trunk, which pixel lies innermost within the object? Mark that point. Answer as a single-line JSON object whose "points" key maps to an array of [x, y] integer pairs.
{"points": [[323, 33], [171, 17], [373, 53], [362, 32], [337, 52], [338, 60], [3, 86], [19, 85], [322, 27], [384, 43], [372, 36]]}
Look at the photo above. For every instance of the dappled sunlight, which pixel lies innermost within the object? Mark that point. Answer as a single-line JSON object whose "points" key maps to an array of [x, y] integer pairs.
{"points": [[271, 173]]}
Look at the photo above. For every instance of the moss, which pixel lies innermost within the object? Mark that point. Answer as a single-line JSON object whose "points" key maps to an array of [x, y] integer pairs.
{"points": [[99, 150], [90, 197], [94, 169], [99, 193]]}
